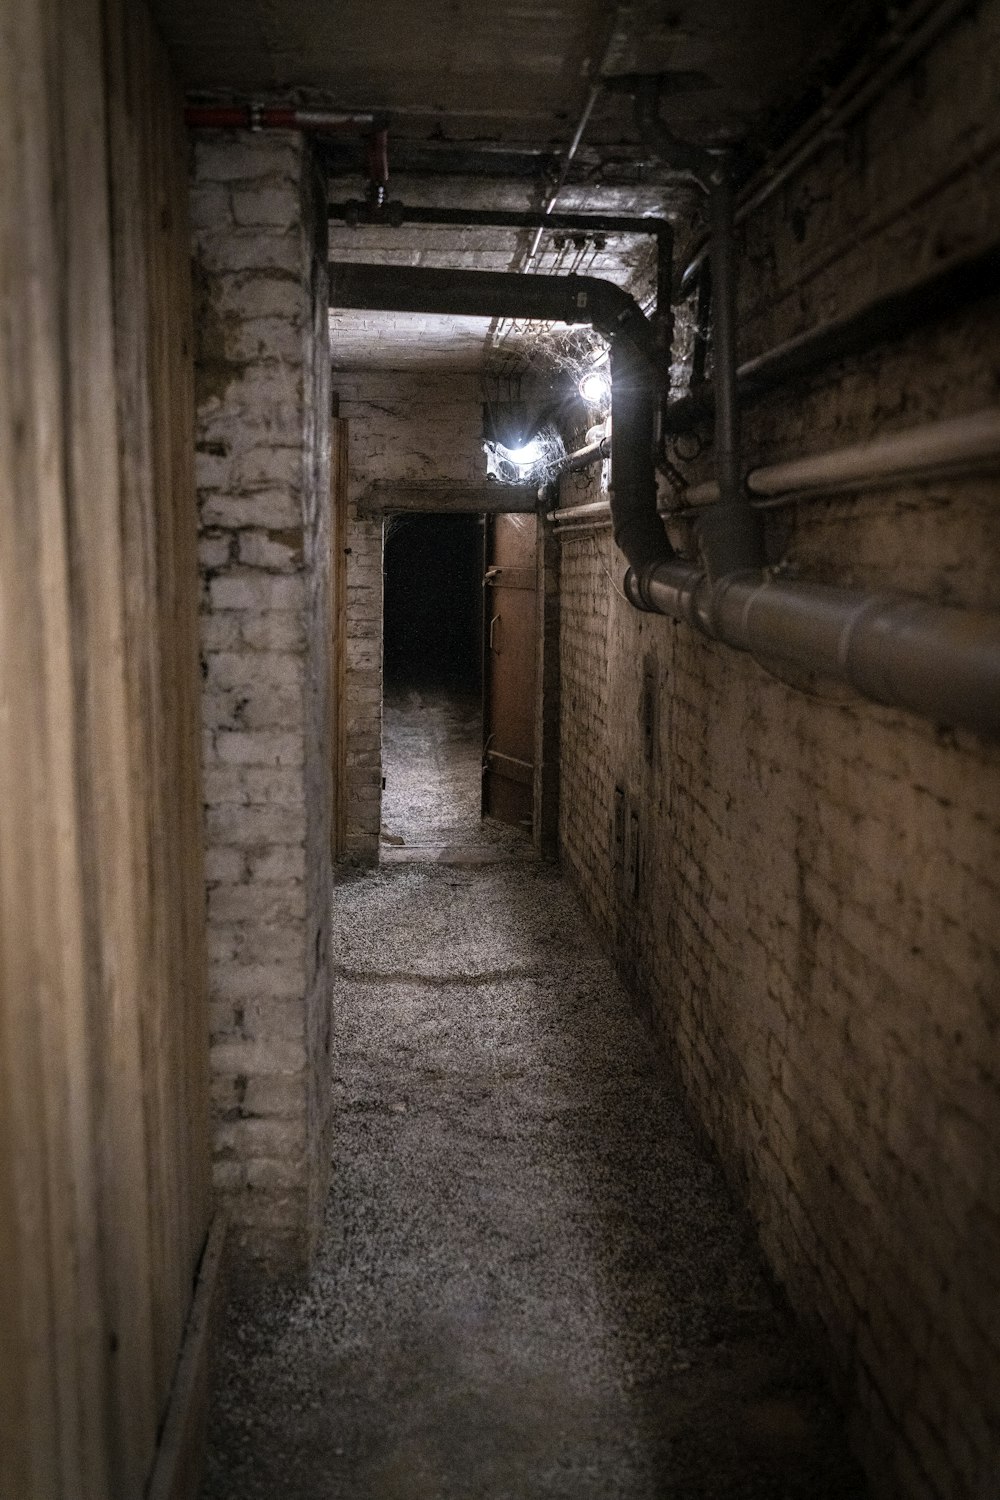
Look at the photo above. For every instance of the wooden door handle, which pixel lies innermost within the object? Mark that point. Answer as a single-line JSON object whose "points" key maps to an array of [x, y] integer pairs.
{"points": [[494, 624]]}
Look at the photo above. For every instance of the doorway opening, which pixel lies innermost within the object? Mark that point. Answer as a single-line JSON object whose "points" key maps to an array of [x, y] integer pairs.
{"points": [[432, 725]]}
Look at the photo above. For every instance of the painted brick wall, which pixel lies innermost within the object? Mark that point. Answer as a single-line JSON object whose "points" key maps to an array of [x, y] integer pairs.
{"points": [[414, 429], [816, 924], [263, 488]]}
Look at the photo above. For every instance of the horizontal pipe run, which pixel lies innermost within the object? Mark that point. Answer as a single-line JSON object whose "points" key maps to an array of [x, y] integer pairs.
{"points": [[954, 446], [944, 293], [950, 446], [491, 218], [969, 440], [487, 294], [593, 510], [276, 117], [936, 661], [582, 458], [860, 90]]}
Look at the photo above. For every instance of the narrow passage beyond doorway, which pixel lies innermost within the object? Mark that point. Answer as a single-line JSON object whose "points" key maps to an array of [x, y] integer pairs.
{"points": [[533, 1282], [432, 721]]}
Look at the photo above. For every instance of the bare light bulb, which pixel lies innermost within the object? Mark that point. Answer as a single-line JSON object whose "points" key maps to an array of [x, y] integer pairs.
{"points": [[595, 388], [527, 456]]}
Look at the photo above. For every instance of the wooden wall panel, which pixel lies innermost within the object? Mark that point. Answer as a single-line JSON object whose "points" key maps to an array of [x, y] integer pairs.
{"points": [[104, 1198]]}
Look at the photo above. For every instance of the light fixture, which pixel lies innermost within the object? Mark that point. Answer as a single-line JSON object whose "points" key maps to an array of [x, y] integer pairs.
{"points": [[526, 456], [595, 387]]}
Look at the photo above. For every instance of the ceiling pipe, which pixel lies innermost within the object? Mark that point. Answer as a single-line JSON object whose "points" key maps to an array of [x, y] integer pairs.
{"points": [[862, 88], [574, 145], [933, 660], [355, 212], [638, 529], [274, 117], [395, 214]]}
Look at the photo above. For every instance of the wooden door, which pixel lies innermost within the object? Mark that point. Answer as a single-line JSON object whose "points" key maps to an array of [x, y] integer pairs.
{"points": [[509, 664]]}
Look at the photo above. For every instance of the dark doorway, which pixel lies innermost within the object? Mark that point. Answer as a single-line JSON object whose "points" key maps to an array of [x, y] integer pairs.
{"points": [[432, 692], [433, 601]]}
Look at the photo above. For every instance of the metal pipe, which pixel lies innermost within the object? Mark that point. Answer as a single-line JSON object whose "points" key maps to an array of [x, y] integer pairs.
{"points": [[593, 510], [582, 458], [273, 117], [954, 446], [941, 662], [569, 299], [701, 326], [728, 532], [946, 291], [854, 95], [395, 214], [487, 294], [574, 145], [965, 441], [497, 218]]}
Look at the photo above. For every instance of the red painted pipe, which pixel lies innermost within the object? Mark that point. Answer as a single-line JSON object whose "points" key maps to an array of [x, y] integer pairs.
{"points": [[273, 117]]}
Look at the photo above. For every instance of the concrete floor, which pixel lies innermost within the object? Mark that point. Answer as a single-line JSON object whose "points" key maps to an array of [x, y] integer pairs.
{"points": [[533, 1282]]}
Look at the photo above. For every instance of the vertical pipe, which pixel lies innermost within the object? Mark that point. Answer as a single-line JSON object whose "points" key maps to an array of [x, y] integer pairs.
{"points": [[701, 327], [663, 325], [727, 411], [729, 532]]}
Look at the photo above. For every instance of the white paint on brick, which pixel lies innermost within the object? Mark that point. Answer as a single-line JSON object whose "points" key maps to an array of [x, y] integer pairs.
{"points": [[262, 474]]}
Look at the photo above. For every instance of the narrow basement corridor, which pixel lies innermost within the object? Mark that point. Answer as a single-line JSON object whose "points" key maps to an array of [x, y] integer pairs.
{"points": [[532, 1281]]}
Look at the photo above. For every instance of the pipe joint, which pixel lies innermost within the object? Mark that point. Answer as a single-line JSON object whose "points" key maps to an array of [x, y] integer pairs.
{"points": [[731, 539]]}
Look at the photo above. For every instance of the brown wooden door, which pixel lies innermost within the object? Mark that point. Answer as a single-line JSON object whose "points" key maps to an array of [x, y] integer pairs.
{"points": [[509, 669]]}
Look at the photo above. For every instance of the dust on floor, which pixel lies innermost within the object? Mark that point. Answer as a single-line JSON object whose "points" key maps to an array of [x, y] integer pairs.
{"points": [[533, 1282]]}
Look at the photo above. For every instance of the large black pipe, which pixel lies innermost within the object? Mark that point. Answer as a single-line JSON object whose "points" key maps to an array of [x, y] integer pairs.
{"points": [[638, 529], [395, 214], [729, 532]]}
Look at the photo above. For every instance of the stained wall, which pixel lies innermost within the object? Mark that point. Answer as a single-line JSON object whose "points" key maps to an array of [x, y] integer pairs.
{"points": [[263, 404], [815, 919]]}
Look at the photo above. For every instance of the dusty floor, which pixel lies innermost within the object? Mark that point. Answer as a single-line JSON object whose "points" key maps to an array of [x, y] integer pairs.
{"points": [[533, 1282], [432, 758]]}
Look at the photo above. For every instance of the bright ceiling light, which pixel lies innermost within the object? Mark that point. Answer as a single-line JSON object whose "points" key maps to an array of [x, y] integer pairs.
{"points": [[527, 456], [595, 388]]}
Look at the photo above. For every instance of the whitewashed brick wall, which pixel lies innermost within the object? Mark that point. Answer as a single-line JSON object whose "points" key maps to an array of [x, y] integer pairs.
{"points": [[263, 487], [415, 429]]}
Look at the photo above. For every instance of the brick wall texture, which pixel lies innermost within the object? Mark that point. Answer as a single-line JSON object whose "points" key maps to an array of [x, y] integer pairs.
{"points": [[410, 429], [262, 471], [815, 925]]}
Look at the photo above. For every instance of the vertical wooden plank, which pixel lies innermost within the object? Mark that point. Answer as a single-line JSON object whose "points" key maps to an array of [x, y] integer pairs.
{"points": [[52, 1389], [103, 1044], [119, 991], [183, 645], [338, 660], [135, 212]]}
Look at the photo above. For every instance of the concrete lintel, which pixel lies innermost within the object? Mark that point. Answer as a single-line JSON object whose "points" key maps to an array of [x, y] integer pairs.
{"points": [[483, 499]]}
